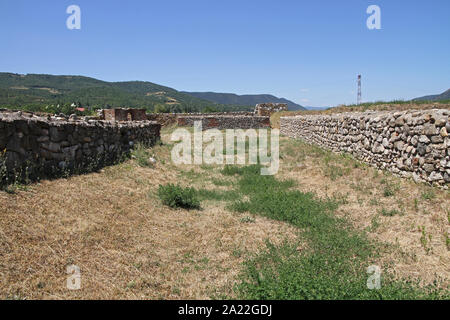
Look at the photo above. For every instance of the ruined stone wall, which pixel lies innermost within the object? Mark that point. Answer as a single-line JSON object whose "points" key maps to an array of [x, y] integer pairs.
{"points": [[408, 143], [225, 122], [121, 114], [45, 146], [267, 109], [166, 119]]}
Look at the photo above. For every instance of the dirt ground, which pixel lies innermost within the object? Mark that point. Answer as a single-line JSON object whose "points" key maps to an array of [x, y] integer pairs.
{"points": [[112, 225], [411, 220], [127, 245]]}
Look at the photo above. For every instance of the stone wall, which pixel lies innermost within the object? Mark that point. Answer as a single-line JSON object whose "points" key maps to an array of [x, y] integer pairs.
{"points": [[408, 143], [267, 109], [121, 114], [225, 122], [33, 147], [166, 119]]}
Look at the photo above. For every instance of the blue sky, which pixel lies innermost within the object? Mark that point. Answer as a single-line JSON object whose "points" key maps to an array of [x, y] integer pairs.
{"points": [[306, 51]]}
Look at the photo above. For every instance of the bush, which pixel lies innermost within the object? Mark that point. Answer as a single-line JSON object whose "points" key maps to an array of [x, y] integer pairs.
{"points": [[176, 196], [389, 213], [142, 155]]}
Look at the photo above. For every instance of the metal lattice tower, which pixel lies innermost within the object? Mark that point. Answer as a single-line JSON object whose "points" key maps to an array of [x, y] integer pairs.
{"points": [[359, 90]]}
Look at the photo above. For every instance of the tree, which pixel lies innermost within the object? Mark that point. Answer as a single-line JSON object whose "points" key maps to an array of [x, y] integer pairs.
{"points": [[161, 108], [209, 109]]}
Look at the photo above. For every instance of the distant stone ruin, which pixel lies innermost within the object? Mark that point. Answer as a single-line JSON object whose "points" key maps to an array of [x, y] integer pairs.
{"points": [[259, 118], [221, 122], [166, 119], [267, 109], [121, 114]]}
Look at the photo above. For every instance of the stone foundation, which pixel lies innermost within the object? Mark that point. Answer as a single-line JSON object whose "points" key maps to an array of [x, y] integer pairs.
{"points": [[409, 143], [120, 114], [225, 122], [32, 147], [267, 109], [166, 119]]}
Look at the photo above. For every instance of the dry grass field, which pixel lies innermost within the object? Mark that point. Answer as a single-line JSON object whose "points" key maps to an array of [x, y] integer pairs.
{"points": [[128, 245], [411, 220]]}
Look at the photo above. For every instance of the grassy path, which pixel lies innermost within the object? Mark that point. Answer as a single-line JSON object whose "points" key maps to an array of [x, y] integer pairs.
{"points": [[310, 232], [331, 266]]}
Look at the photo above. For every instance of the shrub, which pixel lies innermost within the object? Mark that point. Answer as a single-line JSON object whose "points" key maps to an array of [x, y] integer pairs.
{"points": [[428, 194], [176, 196], [142, 155], [390, 189], [389, 213]]}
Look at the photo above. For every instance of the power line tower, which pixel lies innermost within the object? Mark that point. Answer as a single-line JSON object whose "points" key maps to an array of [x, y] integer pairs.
{"points": [[359, 90]]}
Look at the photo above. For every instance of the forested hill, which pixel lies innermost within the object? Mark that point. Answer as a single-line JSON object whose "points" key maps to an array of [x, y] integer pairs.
{"points": [[436, 97], [247, 99], [36, 91]]}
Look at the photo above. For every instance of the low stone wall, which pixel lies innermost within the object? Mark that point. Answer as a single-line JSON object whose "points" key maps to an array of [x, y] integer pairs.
{"points": [[409, 143], [32, 147], [267, 109], [225, 122], [166, 119], [121, 114]]}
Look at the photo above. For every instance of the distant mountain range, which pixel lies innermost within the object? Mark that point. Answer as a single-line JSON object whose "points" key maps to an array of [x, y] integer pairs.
{"points": [[437, 97], [36, 91], [244, 100]]}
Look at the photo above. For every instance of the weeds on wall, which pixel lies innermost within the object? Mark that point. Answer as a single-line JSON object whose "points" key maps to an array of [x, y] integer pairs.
{"points": [[34, 171], [3, 169], [142, 155]]}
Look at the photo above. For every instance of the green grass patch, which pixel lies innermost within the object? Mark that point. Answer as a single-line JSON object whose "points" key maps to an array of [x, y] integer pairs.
{"points": [[389, 213], [218, 195], [390, 189], [142, 155], [176, 196], [334, 263], [428, 194], [247, 219], [221, 182]]}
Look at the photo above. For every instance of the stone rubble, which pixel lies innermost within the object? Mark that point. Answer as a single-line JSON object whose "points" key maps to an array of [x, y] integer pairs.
{"points": [[266, 109]]}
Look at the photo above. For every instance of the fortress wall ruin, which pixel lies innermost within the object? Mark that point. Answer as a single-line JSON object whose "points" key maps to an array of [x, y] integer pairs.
{"points": [[408, 143], [225, 121], [172, 118], [34, 147]]}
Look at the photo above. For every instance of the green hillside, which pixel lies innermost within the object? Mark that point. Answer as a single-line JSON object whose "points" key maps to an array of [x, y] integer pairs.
{"points": [[247, 99], [437, 97], [39, 92]]}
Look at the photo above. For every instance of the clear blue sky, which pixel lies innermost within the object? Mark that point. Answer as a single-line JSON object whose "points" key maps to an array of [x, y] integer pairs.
{"points": [[306, 51]]}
